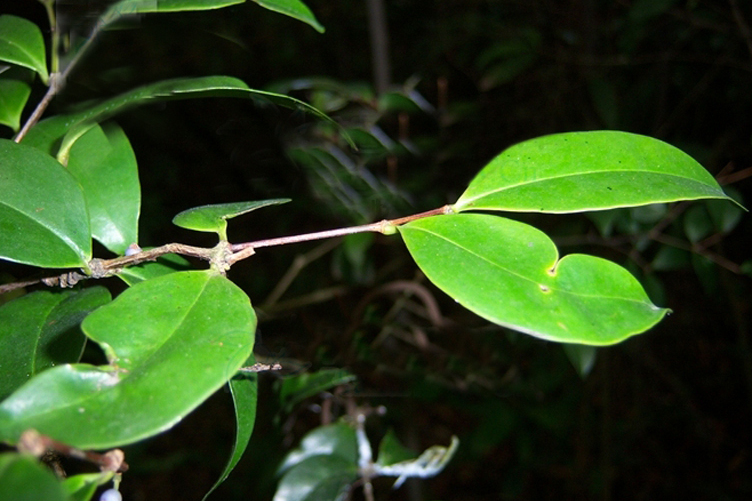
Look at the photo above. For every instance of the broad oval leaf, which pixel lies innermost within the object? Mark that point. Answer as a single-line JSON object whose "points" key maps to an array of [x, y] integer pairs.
{"points": [[510, 273], [15, 88], [293, 8], [584, 171], [43, 216], [48, 134], [21, 43], [41, 330], [171, 342], [213, 218], [104, 163]]}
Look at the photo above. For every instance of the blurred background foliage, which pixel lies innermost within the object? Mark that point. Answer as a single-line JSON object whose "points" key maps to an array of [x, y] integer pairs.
{"points": [[665, 414]]}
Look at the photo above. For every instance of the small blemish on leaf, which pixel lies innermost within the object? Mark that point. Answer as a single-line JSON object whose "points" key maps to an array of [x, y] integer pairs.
{"points": [[609, 188], [544, 288]]}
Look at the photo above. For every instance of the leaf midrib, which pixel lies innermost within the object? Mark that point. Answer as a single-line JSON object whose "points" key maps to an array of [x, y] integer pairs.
{"points": [[535, 282], [468, 201]]}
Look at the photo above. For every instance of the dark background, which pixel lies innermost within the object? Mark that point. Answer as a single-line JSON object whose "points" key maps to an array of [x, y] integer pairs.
{"points": [[663, 415]]}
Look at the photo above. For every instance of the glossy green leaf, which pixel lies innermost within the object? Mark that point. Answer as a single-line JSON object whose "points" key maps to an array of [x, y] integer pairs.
{"points": [[336, 439], [48, 134], [15, 88], [171, 342], [21, 43], [293, 8], [213, 218], [104, 163], [295, 389], [510, 273], [43, 217], [322, 468], [137, 7], [169, 263], [41, 330], [244, 389], [583, 171], [23, 478]]}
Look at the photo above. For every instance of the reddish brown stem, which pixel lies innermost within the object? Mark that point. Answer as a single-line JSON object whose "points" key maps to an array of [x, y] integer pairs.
{"points": [[384, 226]]}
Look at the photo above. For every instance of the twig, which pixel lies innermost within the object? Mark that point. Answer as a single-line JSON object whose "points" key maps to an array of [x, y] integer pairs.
{"points": [[261, 367], [56, 84], [385, 227], [57, 80], [35, 443], [221, 256]]}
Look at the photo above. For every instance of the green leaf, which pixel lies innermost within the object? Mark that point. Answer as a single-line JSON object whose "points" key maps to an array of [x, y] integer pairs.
{"points": [[295, 389], [169, 263], [48, 134], [244, 389], [336, 439], [583, 171], [171, 342], [318, 478], [213, 218], [23, 478], [133, 7], [82, 487], [322, 468], [21, 43], [104, 163], [293, 8], [41, 330], [510, 273], [391, 450], [43, 217], [15, 88]]}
